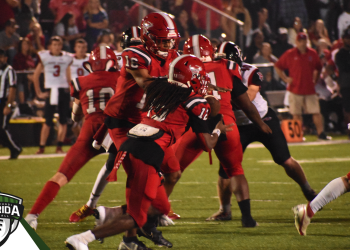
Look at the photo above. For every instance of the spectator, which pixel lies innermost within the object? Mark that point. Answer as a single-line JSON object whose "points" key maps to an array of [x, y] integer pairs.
{"points": [[289, 9], [344, 18], [333, 12], [68, 31], [60, 7], [318, 31], [258, 39], [281, 45], [342, 60], [184, 27], [105, 38], [23, 61], [9, 39], [296, 28], [7, 97], [23, 16], [96, 20], [235, 8], [265, 56], [322, 46], [263, 26], [6, 11], [36, 36], [303, 65], [199, 16]]}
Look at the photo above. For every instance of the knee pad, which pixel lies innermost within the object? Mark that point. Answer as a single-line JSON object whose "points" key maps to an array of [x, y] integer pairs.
{"points": [[222, 173]]}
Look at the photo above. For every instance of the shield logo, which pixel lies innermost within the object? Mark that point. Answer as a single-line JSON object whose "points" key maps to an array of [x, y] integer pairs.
{"points": [[11, 211]]}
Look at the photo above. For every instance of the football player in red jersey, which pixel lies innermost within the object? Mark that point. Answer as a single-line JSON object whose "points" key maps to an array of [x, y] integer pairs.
{"points": [[172, 104], [225, 74], [91, 94]]}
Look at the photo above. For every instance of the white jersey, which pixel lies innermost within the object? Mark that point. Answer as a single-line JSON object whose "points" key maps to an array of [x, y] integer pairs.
{"points": [[55, 68], [119, 59], [77, 69], [250, 72]]}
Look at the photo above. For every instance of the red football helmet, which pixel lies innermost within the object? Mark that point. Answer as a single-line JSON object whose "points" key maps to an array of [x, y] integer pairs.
{"points": [[200, 46], [188, 71], [101, 58], [159, 33]]}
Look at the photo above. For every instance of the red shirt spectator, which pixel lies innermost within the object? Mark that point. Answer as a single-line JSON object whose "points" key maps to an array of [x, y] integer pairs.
{"points": [[301, 68], [6, 11], [200, 12]]}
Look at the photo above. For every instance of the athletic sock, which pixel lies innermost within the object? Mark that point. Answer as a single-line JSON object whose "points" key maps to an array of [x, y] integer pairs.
{"points": [[333, 190], [130, 239], [48, 193], [99, 186], [88, 236], [245, 208], [226, 208], [60, 144], [42, 146]]}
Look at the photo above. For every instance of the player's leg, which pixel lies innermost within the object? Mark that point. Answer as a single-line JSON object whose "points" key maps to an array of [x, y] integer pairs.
{"points": [[277, 145], [6, 137], [63, 111], [45, 130], [303, 213]]}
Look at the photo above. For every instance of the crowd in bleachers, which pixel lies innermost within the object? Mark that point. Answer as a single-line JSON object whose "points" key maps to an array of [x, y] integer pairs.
{"points": [[270, 28]]}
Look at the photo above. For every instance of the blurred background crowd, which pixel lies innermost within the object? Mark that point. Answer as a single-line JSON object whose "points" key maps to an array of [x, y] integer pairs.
{"points": [[270, 28]]}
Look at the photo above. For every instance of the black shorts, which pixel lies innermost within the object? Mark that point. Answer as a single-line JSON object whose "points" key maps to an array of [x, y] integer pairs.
{"points": [[276, 142], [62, 108], [345, 92]]}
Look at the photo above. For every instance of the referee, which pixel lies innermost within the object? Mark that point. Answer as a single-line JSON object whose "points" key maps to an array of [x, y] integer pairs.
{"points": [[7, 96]]}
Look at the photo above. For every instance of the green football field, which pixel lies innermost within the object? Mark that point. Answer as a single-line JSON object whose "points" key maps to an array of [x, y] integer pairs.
{"points": [[272, 193]]}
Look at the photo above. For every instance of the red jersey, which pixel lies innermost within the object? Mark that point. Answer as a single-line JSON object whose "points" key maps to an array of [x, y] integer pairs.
{"points": [[128, 100], [221, 74], [94, 91], [175, 123], [301, 68]]}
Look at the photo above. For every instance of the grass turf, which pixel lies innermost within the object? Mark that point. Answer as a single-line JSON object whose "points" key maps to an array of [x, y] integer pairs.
{"points": [[273, 194]]}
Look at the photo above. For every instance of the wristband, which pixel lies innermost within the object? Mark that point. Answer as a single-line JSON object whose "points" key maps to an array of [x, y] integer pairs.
{"points": [[217, 131]]}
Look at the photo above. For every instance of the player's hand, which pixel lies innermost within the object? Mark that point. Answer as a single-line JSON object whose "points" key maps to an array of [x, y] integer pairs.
{"points": [[213, 87], [265, 128], [289, 80], [223, 127], [6, 111], [43, 95]]}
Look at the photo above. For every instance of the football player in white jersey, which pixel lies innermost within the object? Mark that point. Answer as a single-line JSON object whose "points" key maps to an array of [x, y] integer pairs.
{"points": [[80, 56], [275, 142], [55, 64]]}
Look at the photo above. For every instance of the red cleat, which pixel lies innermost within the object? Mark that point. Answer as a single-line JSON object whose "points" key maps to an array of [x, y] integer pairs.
{"points": [[81, 214], [40, 151], [173, 216]]}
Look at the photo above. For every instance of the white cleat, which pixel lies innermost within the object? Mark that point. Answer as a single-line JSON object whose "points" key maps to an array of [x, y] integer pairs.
{"points": [[100, 218], [32, 220], [76, 242], [165, 221], [301, 219]]}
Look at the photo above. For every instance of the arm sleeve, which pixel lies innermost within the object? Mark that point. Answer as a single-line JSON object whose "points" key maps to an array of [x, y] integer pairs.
{"points": [[238, 88], [135, 58], [198, 107], [74, 88]]}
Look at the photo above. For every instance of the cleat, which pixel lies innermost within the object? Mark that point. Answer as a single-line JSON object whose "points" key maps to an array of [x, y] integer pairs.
{"points": [[32, 220], [15, 154], [249, 222], [100, 218], [81, 214], [302, 220], [164, 221], [173, 216], [59, 150], [76, 242], [40, 151], [135, 245], [324, 137], [154, 235], [220, 215]]}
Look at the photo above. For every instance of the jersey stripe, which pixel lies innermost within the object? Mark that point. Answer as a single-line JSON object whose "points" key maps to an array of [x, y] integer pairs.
{"points": [[141, 53], [190, 104], [222, 47], [195, 44]]}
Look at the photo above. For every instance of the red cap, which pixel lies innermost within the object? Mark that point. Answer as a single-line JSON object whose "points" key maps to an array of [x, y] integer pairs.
{"points": [[301, 35]]}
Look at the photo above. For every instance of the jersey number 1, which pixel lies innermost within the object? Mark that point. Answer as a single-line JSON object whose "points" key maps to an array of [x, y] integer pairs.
{"points": [[213, 81], [102, 102]]}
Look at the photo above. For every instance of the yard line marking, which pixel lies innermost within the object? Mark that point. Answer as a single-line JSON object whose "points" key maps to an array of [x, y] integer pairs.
{"points": [[318, 160]]}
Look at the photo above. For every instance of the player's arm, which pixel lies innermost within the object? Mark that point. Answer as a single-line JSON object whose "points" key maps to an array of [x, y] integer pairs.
{"points": [[39, 68], [77, 112], [241, 98], [68, 74], [254, 84], [140, 76]]}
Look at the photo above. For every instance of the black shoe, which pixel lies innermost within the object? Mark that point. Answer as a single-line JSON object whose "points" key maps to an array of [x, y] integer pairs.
{"points": [[324, 137], [249, 222], [136, 245], [154, 235], [15, 154]]}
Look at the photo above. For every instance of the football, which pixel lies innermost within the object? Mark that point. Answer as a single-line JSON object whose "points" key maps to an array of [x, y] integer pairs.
{"points": [[214, 105]]}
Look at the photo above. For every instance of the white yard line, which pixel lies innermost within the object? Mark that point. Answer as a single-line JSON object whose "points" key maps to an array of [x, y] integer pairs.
{"points": [[316, 160]]}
